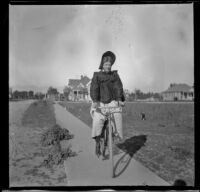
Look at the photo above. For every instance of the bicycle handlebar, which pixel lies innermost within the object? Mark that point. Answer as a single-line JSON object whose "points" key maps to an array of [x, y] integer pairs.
{"points": [[108, 112], [108, 107]]}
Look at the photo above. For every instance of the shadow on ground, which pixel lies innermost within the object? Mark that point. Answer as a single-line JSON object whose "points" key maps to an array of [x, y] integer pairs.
{"points": [[130, 146]]}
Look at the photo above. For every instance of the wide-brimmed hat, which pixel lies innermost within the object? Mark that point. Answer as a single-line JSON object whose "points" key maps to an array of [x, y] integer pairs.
{"points": [[107, 53]]}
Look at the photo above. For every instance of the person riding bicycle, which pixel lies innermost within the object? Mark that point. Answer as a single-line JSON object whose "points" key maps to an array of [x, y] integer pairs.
{"points": [[106, 90]]}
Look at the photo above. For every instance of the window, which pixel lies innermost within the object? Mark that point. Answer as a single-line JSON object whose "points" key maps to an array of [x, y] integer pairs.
{"points": [[185, 94]]}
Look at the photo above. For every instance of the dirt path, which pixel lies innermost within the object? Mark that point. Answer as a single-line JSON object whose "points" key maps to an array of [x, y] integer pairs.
{"points": [[16, 110], [86, 169]]}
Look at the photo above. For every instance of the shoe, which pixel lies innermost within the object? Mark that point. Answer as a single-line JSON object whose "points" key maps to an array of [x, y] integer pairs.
{"points": [[104, 157], [116, 137]]}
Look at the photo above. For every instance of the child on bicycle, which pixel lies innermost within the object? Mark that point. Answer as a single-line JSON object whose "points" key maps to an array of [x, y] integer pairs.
{"points": [[106, 91]]}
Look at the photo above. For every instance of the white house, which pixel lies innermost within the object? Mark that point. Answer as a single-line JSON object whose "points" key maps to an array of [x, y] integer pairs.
{"points": [[79, 89], [178, 92]]}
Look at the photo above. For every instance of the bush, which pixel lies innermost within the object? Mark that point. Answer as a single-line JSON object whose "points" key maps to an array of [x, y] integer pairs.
{"points": [[51, 140], [57, 156], [55, 135]]}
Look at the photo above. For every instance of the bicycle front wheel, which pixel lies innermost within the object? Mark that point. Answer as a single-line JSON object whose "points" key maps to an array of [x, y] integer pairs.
{"points": [[111, 148]]}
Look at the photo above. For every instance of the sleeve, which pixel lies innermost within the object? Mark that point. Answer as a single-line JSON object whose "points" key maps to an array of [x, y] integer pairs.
{"points": [[94, 88], [118, 87]]}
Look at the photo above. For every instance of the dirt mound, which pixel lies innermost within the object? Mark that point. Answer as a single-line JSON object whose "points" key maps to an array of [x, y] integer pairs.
{"points": [[57, 155], [39, 114], [54, 135], [54, 153]]}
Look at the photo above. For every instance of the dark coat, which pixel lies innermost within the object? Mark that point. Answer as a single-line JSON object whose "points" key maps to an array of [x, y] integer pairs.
{"points": [[106, 87]]}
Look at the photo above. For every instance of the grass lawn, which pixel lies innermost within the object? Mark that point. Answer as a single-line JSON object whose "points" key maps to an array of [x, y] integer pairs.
{"points": [[165, 139]]}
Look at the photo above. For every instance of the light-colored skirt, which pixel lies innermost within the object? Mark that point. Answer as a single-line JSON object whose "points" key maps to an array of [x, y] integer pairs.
{"points": [[99, 119]]}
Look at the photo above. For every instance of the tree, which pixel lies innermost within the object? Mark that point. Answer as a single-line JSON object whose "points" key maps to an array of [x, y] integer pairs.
{"points": [[66, 92], [138, 94], [131, 97], [39, 95], [158, 96], [16, 94], [30, 94], [24, 94], [52, 91]]}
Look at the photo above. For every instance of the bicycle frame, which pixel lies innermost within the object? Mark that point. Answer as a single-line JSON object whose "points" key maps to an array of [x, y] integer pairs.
{"points": [[110, 132]]}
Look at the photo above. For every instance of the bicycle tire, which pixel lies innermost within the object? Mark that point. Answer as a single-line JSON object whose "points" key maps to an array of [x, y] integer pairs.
{"points": [[110, 147], [104, 143]]}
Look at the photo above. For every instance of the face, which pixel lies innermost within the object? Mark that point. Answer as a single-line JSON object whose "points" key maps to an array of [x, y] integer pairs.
{"points": [[107, 66]]}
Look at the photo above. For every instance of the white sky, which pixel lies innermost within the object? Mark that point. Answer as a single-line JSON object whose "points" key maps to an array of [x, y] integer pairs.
{"points": [[48, 44]]}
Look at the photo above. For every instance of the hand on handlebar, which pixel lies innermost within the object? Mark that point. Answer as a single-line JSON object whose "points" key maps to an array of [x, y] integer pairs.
{"points": [[121, 103], [94, 105]]}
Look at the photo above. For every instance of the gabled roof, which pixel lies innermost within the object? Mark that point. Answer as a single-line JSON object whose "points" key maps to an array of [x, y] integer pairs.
{"points": [[178, 88], [89, 83], [84, 80], [74, 82], [79, 83]]}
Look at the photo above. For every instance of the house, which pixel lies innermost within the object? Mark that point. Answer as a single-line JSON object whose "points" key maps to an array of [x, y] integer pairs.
{"points": [[30, 94], [61, 97], [79, 89], [19, 95], [88, 88], [52, 96], [178, 92]]}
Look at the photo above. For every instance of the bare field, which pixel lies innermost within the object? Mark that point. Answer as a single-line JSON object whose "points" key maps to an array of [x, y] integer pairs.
{"points": [[167, 134], [27, 122]]}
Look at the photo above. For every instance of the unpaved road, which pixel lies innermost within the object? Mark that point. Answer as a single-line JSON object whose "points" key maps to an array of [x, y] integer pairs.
{"points": [[16, 110]]}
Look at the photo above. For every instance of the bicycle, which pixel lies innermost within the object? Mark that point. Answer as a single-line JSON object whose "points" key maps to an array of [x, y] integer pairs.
{"points": [[107, 134]]}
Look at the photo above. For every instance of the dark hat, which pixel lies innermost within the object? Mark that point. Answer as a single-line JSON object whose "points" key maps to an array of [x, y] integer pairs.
{"points": [[107, 53]]}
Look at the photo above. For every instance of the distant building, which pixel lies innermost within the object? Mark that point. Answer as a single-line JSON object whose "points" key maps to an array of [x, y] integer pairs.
{"points": [[178, 92], [151, 99], [79, 89], [30, 94], [52, 96], [20, 95]]}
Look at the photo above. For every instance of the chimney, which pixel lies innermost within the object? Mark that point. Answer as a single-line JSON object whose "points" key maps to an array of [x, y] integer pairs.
{"points": [[172, 84]]}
